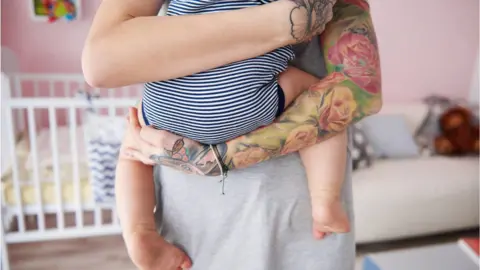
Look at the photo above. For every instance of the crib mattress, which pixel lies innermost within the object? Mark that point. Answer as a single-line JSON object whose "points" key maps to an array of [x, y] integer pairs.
{"points": [[48, 193], [46, 175]]}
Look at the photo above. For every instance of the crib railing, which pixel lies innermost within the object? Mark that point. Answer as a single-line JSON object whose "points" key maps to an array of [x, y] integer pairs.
{"points": [[25, 85], [41, 102]]}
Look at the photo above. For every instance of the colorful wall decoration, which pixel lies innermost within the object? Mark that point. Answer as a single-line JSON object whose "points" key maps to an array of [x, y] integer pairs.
{"points": [[55, 10]]}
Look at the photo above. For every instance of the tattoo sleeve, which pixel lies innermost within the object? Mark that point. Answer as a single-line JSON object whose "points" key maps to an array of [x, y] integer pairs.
{"points": [[309, 17], [350, 92]]}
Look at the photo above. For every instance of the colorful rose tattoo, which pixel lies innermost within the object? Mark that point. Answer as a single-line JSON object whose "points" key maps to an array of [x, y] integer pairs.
{"points": [[298, 137], [250, 155], [354, 55], [337, 111], [350, 92]]}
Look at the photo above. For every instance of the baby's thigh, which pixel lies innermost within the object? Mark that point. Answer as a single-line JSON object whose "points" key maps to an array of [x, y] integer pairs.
{"points": [[294, 81]]}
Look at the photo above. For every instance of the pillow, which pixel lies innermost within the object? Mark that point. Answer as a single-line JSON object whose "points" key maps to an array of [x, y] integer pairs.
{"points": [[361, 150], [389, 136]]}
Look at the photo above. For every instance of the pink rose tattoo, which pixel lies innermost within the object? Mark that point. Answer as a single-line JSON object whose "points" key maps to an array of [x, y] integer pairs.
{"points": [[355, 56], [363, 4]]}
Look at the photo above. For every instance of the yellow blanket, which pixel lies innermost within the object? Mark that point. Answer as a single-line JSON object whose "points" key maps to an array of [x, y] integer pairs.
{"points": [[47, 184], [48, 193]]}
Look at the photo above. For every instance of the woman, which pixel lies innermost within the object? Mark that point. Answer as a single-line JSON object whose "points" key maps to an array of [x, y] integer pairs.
{"points": [[263, 221]]}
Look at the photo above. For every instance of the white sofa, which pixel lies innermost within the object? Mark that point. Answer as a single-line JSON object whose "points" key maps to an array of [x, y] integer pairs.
{"points": [[395, 199]]}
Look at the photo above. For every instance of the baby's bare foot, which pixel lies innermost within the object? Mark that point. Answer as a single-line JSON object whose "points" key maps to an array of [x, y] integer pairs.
{"points": [[328, 215]]}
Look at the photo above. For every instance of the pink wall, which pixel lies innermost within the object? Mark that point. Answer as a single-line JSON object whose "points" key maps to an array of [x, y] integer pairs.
{"points": [[60, 44], [427, 46]]}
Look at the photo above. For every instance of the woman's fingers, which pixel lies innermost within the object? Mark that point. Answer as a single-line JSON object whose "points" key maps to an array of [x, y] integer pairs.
{"points": [[133, 117], [134, 154], [144, 139], [147, 141], [160, 139], [154, 137]]}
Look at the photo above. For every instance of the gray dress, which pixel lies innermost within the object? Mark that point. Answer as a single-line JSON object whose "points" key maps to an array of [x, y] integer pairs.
{"points": [[263, 222]]}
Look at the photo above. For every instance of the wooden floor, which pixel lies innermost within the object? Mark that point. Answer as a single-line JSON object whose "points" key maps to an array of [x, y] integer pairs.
{"points": [[79, 254], [105, 253]]}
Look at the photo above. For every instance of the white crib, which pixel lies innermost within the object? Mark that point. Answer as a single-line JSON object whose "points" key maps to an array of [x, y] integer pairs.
{"points": [[46, 192]]}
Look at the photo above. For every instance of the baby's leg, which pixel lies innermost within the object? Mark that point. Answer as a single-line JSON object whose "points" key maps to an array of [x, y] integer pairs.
{"points": [[294, 81], [325, 167], [324, 163]]}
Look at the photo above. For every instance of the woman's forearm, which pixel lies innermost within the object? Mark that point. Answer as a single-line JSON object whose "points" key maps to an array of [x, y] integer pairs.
{"points": [[124, 49], [350, 92]]}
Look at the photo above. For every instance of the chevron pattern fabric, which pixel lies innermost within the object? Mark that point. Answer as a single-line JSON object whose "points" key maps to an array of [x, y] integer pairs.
{"points": [[103, 138], [103, 156]]}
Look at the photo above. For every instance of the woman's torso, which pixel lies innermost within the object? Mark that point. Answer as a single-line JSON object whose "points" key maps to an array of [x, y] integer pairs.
{"points": [[222, 103], [263, 222]]}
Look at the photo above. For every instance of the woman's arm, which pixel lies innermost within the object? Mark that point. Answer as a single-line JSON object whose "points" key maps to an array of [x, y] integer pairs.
{"points": [[350, 92], [129, 44]]}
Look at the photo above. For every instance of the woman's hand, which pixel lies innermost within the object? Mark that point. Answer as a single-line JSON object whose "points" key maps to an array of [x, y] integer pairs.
{"points": [[152, 146]]}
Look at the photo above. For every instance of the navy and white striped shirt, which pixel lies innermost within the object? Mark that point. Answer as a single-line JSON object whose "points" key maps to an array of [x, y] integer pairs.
{"points": [[219, 104]]}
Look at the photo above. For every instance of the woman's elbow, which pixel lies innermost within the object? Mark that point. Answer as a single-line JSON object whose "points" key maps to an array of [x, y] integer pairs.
{"points": [[95, 66], [376, 101]]}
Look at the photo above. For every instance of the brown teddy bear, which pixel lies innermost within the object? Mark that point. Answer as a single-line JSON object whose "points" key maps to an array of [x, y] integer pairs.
{"points": [[459, 133]]}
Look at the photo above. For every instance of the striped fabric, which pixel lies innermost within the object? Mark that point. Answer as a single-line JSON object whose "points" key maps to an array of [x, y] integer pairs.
{"points": [[222, 103]]}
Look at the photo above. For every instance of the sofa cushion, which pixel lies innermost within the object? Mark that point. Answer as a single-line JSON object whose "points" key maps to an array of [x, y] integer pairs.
{"points": [[390, 136], [395, 199], [414, 112]]}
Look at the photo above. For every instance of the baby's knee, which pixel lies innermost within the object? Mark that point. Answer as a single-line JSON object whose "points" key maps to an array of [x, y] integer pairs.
{"points": [[294, 81]]}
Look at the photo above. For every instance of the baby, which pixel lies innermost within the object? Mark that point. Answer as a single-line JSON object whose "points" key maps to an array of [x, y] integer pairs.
{"points": [[220, 104]]}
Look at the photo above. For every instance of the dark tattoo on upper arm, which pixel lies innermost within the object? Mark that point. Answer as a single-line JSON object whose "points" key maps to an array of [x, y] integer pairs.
{"points": [[309, 17]]}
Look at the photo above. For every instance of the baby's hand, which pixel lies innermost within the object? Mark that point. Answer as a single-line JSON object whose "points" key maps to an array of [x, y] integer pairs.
{"points": [[149, 251]]}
